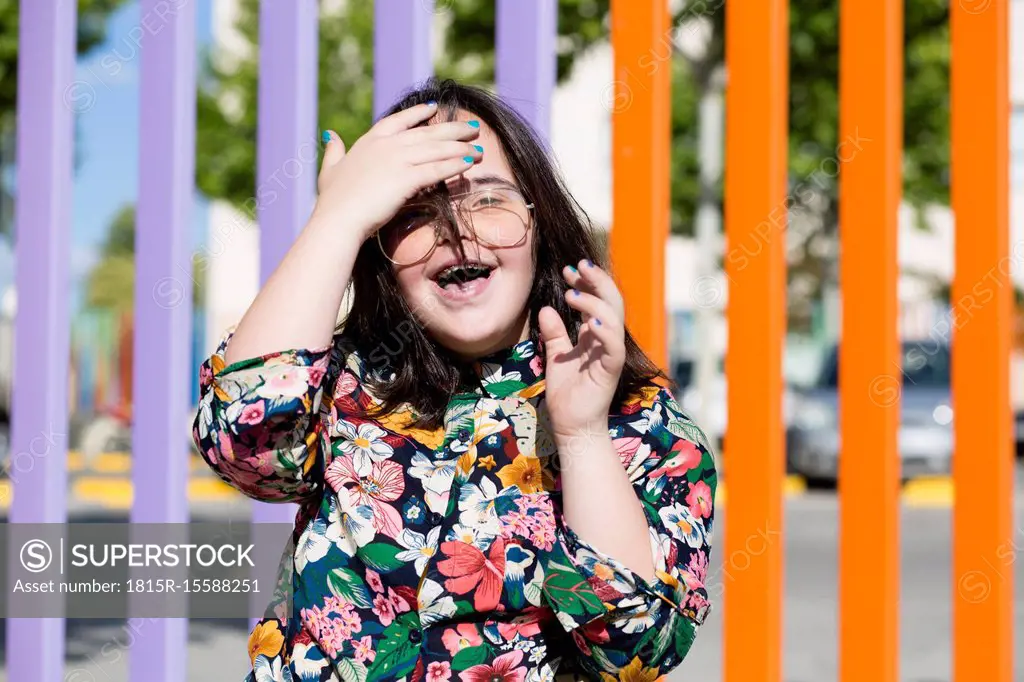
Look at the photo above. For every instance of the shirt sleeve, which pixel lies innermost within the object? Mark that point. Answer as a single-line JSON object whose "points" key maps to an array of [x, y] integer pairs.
{"points": [[622, 623], [259, 421]]}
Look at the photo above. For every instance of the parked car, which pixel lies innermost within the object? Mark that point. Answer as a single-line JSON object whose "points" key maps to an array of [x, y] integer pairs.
{"points": [[925, 438]]}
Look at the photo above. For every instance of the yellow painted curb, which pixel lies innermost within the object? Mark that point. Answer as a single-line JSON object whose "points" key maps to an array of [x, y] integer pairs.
{"points": [[792, 486], [117, 493], [5, 494], [929, 491]]}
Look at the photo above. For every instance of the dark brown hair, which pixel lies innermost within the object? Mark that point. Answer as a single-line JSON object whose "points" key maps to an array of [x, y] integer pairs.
{"points": [[385, 332]]}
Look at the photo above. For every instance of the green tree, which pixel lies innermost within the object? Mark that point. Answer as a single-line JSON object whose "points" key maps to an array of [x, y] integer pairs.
{"points": [[227, 110], [111, 283], [92, 31]]}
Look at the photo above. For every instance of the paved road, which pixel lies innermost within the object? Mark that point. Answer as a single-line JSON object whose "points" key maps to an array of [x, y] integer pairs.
{"points": [[217, 649]]}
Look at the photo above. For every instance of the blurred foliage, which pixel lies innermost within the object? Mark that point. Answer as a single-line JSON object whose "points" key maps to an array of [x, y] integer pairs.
{"points": [[111, 283], [92, 31], [228, 111]]}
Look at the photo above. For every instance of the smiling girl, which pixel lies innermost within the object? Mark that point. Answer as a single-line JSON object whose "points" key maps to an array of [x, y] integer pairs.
{"points": [[494, 482]]}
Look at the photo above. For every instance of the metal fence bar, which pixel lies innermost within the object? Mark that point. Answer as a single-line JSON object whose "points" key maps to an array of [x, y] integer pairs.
{"points": [[526, 59], [402, 55], [869, 157], [45, 144], [640, 102], [756, 44], [163, 303], [288, 146], [983, 467]]}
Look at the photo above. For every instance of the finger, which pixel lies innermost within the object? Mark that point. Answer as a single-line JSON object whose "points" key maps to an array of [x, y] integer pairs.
{"points": [[592, 278], [593, 307], [429, 174], [553, 333], [403, 120], [442, 151], [334, 151], [610, 348], [451, 130]]}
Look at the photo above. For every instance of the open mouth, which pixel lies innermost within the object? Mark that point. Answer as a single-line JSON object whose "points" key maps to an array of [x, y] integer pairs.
{"points": [[458, 276]]}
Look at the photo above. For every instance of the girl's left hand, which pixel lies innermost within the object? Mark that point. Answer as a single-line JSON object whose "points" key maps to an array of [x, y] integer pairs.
{"points": [[580, 380]]}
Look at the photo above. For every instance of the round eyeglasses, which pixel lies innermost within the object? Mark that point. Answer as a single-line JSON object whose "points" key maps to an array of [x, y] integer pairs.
{"points": [[497, 217]]}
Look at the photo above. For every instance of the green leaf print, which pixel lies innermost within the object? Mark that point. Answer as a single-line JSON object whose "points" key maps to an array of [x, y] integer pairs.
{"points": [[351, 671], [690, 431], [396, 654], [682, 636], [464, 607], [470, 656], [569, 592], [347, 584], [381, 557], [503, 389]]}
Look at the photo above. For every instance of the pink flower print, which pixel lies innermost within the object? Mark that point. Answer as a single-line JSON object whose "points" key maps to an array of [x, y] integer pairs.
{"points": [[384, 482], [398, 602], [439, 671], [458, 638], [364, 649], [536, 365], [227, 447], [683, 457], [382, 608], [373, 580], [527, 626], [699, 500], [211, 456], [696, 570], [205, 375], [264, 462], [627, 448], [253, 413], [288, 382], [314, 375], [504, 668], [346, 384]]}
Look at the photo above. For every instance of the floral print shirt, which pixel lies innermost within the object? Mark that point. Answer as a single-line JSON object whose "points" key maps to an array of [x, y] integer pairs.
{"points": [[443, 555]]}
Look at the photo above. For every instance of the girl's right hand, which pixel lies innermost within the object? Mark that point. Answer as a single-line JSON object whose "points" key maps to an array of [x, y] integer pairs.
{"points": [[362, 188]]}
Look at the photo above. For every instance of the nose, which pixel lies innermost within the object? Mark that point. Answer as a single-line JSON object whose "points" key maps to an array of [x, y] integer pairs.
{"points": [[462, 224]]}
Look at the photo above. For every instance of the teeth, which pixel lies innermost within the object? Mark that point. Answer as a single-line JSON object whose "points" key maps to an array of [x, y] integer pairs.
{"points": [[460, 272]]}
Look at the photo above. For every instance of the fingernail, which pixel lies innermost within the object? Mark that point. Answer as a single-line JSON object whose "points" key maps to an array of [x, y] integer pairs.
{"points": [[575, 292], [467, 159], [474, 124], [588, 263], [327, 136], [478, 148], [573, 270], [431, 103], [597, 322]]}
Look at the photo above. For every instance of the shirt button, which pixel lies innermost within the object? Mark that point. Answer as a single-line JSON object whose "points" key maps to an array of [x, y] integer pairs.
{"points": [[435, 518], [415, 635]]}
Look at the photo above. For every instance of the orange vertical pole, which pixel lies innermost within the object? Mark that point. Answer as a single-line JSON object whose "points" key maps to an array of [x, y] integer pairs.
{"points": [[756, 55], [870, 188], [983, 553], [640, 101]]}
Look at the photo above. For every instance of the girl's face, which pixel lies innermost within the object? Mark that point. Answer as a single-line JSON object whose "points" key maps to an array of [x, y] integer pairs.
{"points": [[477, 306]]}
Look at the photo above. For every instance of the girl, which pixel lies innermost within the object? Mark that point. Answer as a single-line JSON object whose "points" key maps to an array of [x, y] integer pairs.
{"points": [[493, 485]]}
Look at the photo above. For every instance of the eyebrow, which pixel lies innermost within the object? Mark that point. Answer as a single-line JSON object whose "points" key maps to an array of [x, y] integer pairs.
{"points": [[484, 181]]}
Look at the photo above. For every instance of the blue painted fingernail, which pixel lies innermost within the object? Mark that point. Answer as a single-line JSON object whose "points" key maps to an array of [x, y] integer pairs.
{"points": [[573, 270], [467, 159], [327, 136], [597, 322], [431, 103], [588, 263], [478, 148], [474, 124], [575, 292]]}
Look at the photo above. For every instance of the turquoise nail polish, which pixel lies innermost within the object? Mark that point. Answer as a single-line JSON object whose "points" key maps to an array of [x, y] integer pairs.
{"points": [[467, 159], [474, 124], [327, 136], [478, 148], [573, 270], [431, 103]]}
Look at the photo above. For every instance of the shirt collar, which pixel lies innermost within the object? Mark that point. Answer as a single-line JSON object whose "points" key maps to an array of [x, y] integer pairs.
{"points": [[514, 371]]}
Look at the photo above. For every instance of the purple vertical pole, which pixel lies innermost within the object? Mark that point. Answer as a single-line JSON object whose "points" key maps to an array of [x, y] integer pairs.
{"points": [[45, 129], [163, 302], [526, 60], [287, 146], [401, 48]]}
